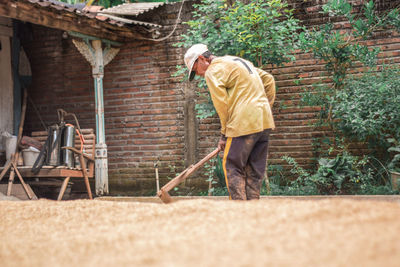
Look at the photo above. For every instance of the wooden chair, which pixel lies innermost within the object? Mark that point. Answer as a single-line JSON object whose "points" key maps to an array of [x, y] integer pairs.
{"points": [[85, 171]]}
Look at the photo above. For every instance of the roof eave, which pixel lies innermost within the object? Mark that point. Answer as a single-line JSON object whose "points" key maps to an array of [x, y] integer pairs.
{"points": [[67, 21]]}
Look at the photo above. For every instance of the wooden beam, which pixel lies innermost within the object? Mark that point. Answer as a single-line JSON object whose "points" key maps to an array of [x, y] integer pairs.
{"points": [[6, 27], [6, 31], [66, 20], [88, 37], [6, 22]]}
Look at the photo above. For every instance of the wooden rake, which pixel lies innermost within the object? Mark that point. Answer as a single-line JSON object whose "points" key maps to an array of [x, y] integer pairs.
{"points": [[163, 193]]}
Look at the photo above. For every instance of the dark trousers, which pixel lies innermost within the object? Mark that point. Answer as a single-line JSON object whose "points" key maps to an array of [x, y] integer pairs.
{"points": [[245, 159]]}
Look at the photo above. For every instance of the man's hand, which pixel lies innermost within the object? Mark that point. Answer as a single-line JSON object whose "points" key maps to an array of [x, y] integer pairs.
{"points": [[222, 143]]}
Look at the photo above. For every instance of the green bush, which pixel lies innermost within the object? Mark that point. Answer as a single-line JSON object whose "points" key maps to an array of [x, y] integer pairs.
{"points": [[339, 49], [367, 109], [343, 174], [358, 108]]}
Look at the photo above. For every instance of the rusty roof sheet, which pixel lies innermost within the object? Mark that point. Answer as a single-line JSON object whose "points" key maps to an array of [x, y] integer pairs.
{"points": [[95, 13], [132, 9], [130, 21]]}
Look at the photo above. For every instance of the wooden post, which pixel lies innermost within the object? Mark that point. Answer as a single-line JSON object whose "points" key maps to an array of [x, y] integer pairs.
{"points": [[98, 58], [157, 180]]}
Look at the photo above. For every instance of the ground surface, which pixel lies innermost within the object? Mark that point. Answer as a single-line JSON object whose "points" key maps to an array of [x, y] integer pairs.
{"points": [[269, 232]]}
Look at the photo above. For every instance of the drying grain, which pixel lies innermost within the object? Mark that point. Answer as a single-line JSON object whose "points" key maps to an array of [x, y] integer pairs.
{"points": [[333, 232]]}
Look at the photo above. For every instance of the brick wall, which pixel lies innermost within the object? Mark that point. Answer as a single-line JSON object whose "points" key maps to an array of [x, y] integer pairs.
{"points": [[61, 78], [144, 104], [145, 107]]}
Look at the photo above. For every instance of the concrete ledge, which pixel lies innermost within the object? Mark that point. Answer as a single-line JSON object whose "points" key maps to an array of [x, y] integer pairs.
{"points": [[388, 198]]}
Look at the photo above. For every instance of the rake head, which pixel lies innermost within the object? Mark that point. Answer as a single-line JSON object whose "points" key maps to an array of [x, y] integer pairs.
{"points": [[164, 196]]}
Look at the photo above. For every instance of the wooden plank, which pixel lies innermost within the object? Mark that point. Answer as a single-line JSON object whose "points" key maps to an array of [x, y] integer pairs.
{"points": [[42, 136], [88, 141], [5, 21], [54, 172], [39, 133], [6, 31], [87, 133], [67, 21], [45, 182]]}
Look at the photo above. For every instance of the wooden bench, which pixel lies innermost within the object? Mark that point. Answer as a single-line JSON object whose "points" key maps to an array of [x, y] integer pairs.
{"points": [[86, 159]]}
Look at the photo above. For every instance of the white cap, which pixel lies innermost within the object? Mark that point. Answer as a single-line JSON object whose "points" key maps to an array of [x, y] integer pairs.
{"points": [[191, 56]]}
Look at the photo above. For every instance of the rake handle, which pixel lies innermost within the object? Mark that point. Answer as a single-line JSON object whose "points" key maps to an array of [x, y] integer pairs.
{"points": [[187, 172]]}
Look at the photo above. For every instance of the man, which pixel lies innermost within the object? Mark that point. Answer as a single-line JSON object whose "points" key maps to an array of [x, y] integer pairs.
{"points": [[242, 96]]}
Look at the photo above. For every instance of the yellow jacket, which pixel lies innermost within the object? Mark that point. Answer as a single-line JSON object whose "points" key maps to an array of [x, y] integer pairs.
{"points": [[242, 95]]}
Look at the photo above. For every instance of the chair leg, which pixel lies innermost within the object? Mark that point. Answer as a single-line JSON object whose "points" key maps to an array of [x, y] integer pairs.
{"points": [[10, 181], [6, 168], [83, 166], [63, 188], [27, 189], [88, 187]]}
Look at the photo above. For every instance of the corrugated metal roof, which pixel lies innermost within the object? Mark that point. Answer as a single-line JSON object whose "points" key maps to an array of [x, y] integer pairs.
{"points": [[132, 9], [131, 21], [113, 19]]}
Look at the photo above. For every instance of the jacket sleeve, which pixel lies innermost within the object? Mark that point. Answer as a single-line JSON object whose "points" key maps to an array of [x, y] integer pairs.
{"points": [[216, 82], [269, 85]]}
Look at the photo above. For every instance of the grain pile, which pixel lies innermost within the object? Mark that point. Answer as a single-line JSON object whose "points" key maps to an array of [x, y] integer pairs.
{"points": [[334, 232]]}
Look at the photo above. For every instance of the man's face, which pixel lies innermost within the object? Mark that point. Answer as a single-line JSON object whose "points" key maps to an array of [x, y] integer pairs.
{"points": [[200, 66]]}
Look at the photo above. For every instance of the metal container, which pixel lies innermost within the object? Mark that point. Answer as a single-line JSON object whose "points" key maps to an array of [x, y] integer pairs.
{"points": [[53, 151], [68, 139]]}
